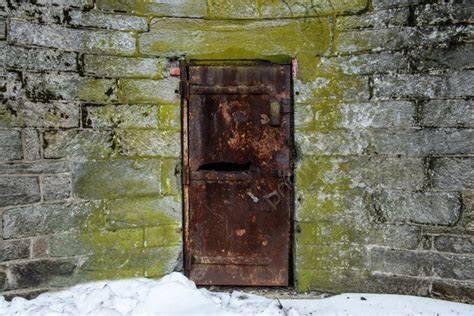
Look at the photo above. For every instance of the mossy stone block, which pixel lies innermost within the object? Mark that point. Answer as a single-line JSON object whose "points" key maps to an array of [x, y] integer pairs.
{"points": [[276, 40], [116, 178]]}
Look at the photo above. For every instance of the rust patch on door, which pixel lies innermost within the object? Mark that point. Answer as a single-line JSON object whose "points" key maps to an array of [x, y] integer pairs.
{"points": [[237, 173]]}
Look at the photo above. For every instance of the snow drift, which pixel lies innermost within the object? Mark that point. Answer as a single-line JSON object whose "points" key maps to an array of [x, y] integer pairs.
{"points": [[174, 294]]}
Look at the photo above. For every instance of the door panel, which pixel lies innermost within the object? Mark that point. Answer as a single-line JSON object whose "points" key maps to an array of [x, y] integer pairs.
{"points": [[236, 170]]}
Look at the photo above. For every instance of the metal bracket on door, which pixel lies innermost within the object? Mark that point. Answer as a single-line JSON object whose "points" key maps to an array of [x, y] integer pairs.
{"points": [[275, 114]]}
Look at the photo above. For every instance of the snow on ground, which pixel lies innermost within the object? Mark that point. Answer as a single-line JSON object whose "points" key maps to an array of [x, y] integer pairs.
{"points": [[174, 294]]}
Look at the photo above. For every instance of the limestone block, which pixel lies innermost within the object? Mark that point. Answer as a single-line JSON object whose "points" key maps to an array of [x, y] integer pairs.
{"points": [[10, 145]]}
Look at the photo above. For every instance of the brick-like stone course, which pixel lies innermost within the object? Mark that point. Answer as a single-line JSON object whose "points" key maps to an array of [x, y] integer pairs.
{"points": [[90, 150]]}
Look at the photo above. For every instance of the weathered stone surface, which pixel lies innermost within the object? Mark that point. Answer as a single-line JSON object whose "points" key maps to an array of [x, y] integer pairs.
{"points": [[69, 86], [163, 236], [453, 173], [378, 4], [304, 117], [448, 113], [121, 116], [460, 267], [23, 32], [30, 11], [423, 141], [148, 91], [443, 14], [171, 177], [14, 249], [56, 187], [3, 281], [396, 38], [19, 190], [422, 263], [375, 114], [395, 236], [42, 219], [305, 8], [339, 87], [382, 62], [400, 262], [169, 117], [148, 143], [340, 228], [332, 143], [213, 39], [72, 3], [10, 85], [2, 28], [54, 114], [376, 19], [150, 262], [77, 144], [39, 248], [335, 280], [395, 173], [99, 19], [431, 208], [468, 207], [457, 84], [454, 244], [66, 245], [186, 8], [453, 291], [142, 212], [458, 57], [39, 272], [338, 205], [31, 144], [37, 59], [37, 167], [10, 145], [160, 261], [232, 9], [322, 256], [116, 178], [125, 67], [379, 283], [343, 173]]}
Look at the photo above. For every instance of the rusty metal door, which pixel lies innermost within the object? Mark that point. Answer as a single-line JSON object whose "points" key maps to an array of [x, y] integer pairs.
{"points": [[237, 173]]}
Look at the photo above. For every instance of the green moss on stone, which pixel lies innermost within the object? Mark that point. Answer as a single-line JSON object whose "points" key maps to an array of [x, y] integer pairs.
{"points": [[169, 116], [115, 251], [307, 8], [117, 178], [328, 280], [170, 177], [125, 67], [143, 212], [163, 236], [95, 90], [275, 40], [188, 8], [149, 91]]}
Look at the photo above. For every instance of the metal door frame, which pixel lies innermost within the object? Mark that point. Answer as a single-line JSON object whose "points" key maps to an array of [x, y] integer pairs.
{"points": [[185, 181]]}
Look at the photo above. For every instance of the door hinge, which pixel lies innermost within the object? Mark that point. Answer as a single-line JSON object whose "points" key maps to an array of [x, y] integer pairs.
{"points": [[184, 89], [186, 175], [188, 261], [282, 173], [285, 106]]}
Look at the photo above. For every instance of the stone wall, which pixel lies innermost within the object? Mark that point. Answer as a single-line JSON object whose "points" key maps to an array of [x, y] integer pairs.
{"points": [[90, 137]]}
